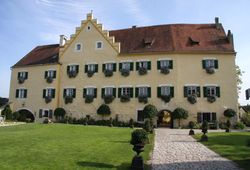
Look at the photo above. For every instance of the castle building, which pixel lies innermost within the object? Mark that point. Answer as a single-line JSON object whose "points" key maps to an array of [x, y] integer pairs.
{"points": [[191, 66]]}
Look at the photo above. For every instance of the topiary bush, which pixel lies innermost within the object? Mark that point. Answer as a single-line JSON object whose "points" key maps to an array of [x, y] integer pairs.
{"points": [[59, 113], [246, 119], [180, 113], [15, 115], [191, 126], [192, 99], [239, 125], [104, 110], [139, 136], [228, 125], [229, 113], [147, 126], [131, 123], [7, 112], [150, 111], [204, 128]]}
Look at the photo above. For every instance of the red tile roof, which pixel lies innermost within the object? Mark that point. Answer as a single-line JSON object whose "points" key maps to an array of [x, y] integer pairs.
{"points": [[180, 38], [45, 54]]}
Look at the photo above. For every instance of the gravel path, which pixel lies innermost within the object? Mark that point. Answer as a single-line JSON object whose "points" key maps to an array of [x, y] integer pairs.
{"points": [[174, 149]]}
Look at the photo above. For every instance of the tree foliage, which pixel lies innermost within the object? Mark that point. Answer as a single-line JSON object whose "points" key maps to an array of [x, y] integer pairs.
{"points": [[149, 111], [239, 73]]}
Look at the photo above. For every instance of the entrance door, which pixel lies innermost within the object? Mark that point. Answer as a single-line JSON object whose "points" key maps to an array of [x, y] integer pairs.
{"points": [[164, 119]]}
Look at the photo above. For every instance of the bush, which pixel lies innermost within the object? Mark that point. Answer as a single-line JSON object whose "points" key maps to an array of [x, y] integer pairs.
{"points": [[204, 127], [59, 113], [147, 126], [131, 123], [149, 111], [7, 112], [180, 113], [248, 142], [46, 121], [191, 124], [222, 125], [246, 119], [239, 125], [103, 110], [139, 136], [229, 113], [15, 115]]}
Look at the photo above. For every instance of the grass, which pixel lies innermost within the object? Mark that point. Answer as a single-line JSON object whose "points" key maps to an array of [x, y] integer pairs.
{"points": [[61, 146], [230, 145]]}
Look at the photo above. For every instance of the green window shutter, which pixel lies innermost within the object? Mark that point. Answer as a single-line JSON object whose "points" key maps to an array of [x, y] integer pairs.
{"points": [[95, 92], [74, 93], [50, 114], [18, 75], [158, 65], [131, 92], [216, 64], [204, 91], [119, 92], [40, 113], [158, 91], [247, 94], [17, 93], [84, 92], [54, 74], [199, 117], [137, 66], [77, 68], [103, 67], [114, 92], [53, 93], [103, 92], [86, 68], [170, 64], [185, 91], [68, 69], [136, 92], [120, 66], [198, 91], [172, 91], [218, 91], [214, 116], [149, 65], [46, 74], [149, 92], [96, 68], [44, 93], [64, 92], [203, 64], [114, 66], [131, 66], [26, 75], [25, 93]]}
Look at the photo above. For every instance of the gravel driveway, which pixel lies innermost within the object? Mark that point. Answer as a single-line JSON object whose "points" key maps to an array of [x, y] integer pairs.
{"points": [[174, 149]]}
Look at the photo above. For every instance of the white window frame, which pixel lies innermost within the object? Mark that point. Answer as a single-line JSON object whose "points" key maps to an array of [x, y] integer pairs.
{"points": [[72, 67], [48, 92], [126, 65], [164, 63], [109, 66], [108, 90], [69, 92], [96, 45], [91, 67], [211, 90], [209, 63], [76, 45], [143, 91], [125, 91], [191, 90], [50, 73], [90, 91], [43, 113], [143, 64], [165, 90], [21, 93]]}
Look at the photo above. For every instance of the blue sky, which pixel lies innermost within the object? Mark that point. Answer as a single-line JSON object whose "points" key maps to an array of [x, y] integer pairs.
{"points": [[27, 23]]}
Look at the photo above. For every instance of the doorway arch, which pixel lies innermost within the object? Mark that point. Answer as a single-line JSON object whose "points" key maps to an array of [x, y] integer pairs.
{"points": [[26, 115], [164, 119]]}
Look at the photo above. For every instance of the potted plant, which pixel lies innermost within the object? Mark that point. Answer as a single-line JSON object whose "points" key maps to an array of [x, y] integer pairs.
{"points": [[180, 113], [165, 70], [229, 113], [48, 99], [108, 99], [211, 99], [166, 98], [90, 73], [139, 138], [192, 99], [210, 70], [204, 128], [191, 126], [124, 72], [108, 73], [21, 80], [68, 99], [142, 71], [49, 79], [72, 74], [125, 98], [89, 98], [142, 99], [104, 110]]}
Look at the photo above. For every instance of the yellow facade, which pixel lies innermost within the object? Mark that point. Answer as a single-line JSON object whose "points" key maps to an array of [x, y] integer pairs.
{"points": [[187, 70]]}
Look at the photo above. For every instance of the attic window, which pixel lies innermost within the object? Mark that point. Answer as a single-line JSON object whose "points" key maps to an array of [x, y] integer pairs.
{"points": [[148, 42], [193, 42]]}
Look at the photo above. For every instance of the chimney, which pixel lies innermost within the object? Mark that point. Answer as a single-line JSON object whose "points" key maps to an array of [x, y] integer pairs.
{"points": [[217, 23], [134, 26], [230, 38], [63, 39]]}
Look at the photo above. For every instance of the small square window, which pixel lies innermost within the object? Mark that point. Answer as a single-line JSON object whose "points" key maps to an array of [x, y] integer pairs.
{"points": [[99, 45], [78, 47]]}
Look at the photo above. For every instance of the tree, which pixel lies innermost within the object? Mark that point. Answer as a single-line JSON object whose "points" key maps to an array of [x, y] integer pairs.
{"points": [[238, 78], [180, 113], [7, 112], [59, 113], [104, 110], [229, 113], [149, 111]]}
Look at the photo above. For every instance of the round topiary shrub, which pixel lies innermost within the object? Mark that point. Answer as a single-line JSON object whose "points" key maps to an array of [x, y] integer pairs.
{"points": [[211, 99], [147, 126], [59, 113], [180, 113], [104, 110], [192, 99], [149, 111], [139, 136], [229, 113]]}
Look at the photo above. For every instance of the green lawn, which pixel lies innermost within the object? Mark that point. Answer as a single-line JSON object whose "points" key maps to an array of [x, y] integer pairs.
{"points": [[230, 145], [61, 146]]}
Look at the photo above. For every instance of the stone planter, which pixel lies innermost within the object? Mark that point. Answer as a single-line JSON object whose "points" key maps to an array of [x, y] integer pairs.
{"points": [[210, 70], [108, 99], [49, 79], [108, 73], [143, 99], [125, 98], [192, 99], [166, 98], [125, 72], [137, 161], [142, 71], [165, 70], [211, 99]]}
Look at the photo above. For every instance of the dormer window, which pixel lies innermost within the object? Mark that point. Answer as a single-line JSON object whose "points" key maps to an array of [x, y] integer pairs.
{"points": [[193, 42], [99, 45], [78, 47], [148, 42]]}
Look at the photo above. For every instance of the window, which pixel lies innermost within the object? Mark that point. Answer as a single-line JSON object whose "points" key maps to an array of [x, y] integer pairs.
{"points": [[78, 47], [109, 66], [91, 67], [21, 93], [90, 91], [72, 70], [165, 90], [70, 92], [211, 91], [125, 91], [99, 45], [22, 76], [108, 91], [45, 113], [191, 90], [143, 64], [50, 92], [206, 116], [50, 74], [210, 63], [164, 64], [140, 116], [247, 94], [126, 65]]}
